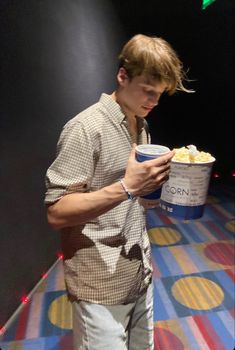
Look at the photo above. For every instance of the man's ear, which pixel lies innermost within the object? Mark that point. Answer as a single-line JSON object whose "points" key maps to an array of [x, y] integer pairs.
{"points": [[122, 76]]}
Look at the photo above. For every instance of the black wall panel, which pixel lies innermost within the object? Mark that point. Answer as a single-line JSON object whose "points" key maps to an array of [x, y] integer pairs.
{"points": [[204, 40], [56, 59]]}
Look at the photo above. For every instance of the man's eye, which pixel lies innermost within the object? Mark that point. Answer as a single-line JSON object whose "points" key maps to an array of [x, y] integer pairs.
{"points": [[147, 91]]}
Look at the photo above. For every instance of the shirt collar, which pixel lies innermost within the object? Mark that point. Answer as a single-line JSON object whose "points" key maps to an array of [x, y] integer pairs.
{"points": [[115, 111], [113, 107]]}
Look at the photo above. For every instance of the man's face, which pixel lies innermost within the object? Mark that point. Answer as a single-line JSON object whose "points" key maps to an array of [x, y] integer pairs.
{"points": [[140, 95]]}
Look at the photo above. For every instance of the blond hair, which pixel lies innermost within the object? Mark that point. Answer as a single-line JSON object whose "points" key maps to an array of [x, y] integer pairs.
{"points": [[155, 58]]}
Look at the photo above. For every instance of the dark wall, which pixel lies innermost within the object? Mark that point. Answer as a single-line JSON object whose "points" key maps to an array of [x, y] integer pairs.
{"points": [[204, 40], [56, 59]]}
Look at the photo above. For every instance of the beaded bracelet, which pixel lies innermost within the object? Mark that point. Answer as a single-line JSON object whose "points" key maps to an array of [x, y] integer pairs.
{"points": [[129, 194]]}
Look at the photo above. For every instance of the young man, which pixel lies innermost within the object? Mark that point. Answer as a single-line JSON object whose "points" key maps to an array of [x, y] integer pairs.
{"points": [[92, 196]]}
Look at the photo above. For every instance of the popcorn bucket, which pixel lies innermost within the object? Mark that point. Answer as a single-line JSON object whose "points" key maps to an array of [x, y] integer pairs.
{"points": [[184, 195]]}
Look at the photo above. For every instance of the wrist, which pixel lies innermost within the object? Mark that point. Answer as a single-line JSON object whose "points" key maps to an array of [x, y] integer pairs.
{"points": [[130, 196]]}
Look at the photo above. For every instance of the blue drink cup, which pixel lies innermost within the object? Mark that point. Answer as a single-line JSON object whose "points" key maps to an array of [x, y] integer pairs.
{"points": [[148, 152]]}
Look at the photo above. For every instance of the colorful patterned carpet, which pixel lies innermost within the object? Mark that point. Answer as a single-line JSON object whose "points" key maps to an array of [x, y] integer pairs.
{"points": [[194, 290]]}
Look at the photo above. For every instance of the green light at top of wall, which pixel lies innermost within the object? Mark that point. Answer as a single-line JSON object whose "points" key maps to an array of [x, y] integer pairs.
{"points": [[206, 3]]}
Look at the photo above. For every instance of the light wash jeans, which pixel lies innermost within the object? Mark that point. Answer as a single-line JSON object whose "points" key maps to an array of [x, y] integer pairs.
{"points": [[114, 327]]}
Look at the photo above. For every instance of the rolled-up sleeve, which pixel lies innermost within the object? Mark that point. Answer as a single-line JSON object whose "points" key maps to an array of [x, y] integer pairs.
{"points": [[73, 167]]}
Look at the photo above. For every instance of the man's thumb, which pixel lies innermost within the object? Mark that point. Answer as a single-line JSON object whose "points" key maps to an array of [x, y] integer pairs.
{"points": [[132, 154]]}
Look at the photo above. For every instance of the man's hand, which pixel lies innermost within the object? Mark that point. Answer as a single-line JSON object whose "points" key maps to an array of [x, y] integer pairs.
{"points": [[144, 177]]}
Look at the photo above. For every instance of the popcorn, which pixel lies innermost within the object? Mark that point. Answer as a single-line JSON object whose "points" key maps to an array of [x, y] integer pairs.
{"points": [[191, 155]]}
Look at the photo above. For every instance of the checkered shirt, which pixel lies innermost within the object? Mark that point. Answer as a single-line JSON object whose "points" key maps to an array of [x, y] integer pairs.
{"points": [[106, 260]]}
